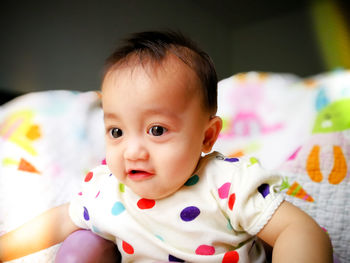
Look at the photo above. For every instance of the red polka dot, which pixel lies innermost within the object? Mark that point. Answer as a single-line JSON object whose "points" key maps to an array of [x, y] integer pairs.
{"points": [[205, 250], [231, 201], [128, 248], [146, 203], [231, 257], [88, 176]]}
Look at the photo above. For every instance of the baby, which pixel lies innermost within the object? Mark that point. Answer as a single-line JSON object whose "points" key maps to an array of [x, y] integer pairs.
{"points": [[158, 197]]}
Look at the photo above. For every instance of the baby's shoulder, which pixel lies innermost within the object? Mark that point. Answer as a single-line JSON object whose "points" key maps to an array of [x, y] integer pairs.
{"points": [[99, 175], [217, 161]]}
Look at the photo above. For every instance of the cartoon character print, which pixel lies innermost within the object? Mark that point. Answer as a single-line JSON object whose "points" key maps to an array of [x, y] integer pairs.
{"points": [[332, 118], [20, 129], [246, 99]]}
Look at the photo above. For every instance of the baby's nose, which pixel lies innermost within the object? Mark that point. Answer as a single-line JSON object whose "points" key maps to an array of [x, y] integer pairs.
{"points": [[135, 150]]}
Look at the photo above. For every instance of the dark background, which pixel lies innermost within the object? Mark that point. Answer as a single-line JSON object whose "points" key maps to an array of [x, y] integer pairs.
{"points": [[62, 44]]}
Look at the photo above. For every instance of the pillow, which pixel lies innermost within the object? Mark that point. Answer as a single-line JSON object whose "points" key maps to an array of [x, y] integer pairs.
{"points": [[48, 140], [301, 129], [317, 173]]}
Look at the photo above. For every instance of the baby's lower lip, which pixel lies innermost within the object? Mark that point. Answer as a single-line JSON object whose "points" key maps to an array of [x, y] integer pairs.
{"points": [[139, 175]]}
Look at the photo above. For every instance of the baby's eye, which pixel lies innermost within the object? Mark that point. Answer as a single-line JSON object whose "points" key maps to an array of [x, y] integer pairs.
{"points": [[157, 130], [116, 132]]}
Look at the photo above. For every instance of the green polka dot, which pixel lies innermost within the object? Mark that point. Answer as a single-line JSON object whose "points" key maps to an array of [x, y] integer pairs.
{"points": [[121, 188], [192, 180], [229, 226], [253, 161]]}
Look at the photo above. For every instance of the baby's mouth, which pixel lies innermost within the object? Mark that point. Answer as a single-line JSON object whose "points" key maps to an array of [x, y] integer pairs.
{"points": [[139, 175]]}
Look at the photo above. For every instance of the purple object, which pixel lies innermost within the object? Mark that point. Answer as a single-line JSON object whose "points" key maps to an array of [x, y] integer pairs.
{"points": [[85, 246]]}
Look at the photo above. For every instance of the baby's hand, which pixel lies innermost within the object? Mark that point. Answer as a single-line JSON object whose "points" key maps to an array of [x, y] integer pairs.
{"points": [[37, 234]]}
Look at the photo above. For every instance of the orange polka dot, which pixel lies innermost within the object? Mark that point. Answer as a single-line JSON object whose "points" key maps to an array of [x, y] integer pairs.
{"points": [[231, 257], [146, 203], [231, 201], [127, 248], [88, 176]]}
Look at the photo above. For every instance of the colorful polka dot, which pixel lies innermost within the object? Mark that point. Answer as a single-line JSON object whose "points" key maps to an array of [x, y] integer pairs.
{"points": [[98, 194], [192, 180], [127, 248], [121, 188], [223, 191], [253, 161], [231, 160], [95, 230], [104, 162], [231, 201], [205, 250], [264, 190], [229, 226], [86, 214], [80, 193], [174, 259], [146, 203], [117, 208], [88, 177], [189, 213], [230, 257], [159, 237]]}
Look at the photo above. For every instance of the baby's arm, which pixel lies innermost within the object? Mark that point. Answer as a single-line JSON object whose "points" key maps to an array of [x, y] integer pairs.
{"points": [[46, 230], [296, 237]]}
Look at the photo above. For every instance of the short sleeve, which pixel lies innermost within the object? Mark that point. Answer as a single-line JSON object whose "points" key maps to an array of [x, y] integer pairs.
{"points": [[252, 195], [79, 207]]}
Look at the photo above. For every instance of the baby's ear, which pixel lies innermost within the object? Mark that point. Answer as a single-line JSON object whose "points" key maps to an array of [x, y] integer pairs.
{"points": [[211, 133]]}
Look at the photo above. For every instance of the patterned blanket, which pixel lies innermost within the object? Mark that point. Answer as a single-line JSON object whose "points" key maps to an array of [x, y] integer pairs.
{"points": [[297, 127]]}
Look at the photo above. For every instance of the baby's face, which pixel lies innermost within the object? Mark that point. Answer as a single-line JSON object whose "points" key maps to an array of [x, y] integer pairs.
{"points": [[155, 126]]}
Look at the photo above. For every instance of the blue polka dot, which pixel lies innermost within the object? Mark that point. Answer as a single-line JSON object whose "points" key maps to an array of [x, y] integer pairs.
{"points": [[86, 214], [160, 237], [231, 160], [264, 190], [189, 213], [175, 259], [117, 208], [95, 229]]}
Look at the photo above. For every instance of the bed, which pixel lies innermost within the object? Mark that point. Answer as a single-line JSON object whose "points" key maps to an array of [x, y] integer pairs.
{"points": [[298, 127]]}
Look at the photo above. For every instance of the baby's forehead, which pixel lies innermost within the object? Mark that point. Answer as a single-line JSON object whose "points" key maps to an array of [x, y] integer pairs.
{"points": [[169, 69]]}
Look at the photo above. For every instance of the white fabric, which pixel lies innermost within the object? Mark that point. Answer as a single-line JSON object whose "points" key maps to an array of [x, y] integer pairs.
{"points": [[221, 207]]}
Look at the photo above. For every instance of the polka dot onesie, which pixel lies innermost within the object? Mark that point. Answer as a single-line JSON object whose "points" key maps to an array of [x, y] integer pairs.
{"points": [[214, 217]]}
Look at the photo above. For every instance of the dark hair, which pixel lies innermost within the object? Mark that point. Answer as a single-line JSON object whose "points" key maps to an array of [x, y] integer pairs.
{"points": [[155, 45]]}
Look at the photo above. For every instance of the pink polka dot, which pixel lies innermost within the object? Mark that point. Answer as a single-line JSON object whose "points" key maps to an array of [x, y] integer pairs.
{"points": [[231, 201], [224, 190], [104, 162], [205, 250], [97, 194], [80, 193], [230, 257], [127, 248], [146, 203], [88, 176]]}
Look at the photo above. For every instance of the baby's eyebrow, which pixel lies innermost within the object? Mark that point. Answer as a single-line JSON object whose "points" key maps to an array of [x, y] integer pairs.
{"points": [[108, 115], [162, 112]]}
